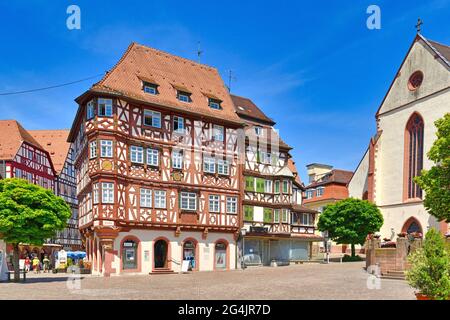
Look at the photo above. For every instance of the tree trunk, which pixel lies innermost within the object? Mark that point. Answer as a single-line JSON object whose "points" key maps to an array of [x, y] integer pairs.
{"points": [[353, 250], [16, 262]]}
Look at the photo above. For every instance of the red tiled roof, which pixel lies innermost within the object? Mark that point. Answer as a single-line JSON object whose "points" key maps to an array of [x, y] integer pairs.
{"points": [[55, 143], [168, 72], [12, 134], [245, 107], [293, 168], [334, 176]]}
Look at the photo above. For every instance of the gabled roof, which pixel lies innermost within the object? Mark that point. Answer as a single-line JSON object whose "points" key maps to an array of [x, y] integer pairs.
{"points": [[441, 51], [247, 109], [12, 135], [55, 143], [293, 168], [140, 63], [334, 176]]}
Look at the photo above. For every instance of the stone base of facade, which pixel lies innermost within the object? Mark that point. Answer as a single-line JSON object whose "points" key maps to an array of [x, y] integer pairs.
{"points": [[140, 251]]}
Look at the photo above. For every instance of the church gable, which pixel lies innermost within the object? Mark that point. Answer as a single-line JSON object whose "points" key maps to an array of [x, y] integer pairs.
{"points": [[423, 72]]}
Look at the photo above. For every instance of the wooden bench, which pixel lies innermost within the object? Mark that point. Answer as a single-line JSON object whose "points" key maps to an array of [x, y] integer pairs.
{"points": [[22, 271]]}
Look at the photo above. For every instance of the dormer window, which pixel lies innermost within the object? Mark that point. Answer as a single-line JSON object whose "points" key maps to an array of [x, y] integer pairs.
{"points": [[150, 88], [105, 107], [90, 110], [214, 104], [183, 96], [258, 130]]}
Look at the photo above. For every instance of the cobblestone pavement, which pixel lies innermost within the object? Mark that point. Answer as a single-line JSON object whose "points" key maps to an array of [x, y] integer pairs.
{"points": [[307, 281]]}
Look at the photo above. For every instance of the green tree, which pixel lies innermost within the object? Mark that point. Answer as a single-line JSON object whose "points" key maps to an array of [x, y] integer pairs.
{"points": [[349, 221], [436, 181], [29, 214], [430, 267]]}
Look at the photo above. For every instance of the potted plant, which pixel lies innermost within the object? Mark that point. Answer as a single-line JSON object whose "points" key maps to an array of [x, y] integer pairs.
{"points": [[402, 234], [430, 268]]}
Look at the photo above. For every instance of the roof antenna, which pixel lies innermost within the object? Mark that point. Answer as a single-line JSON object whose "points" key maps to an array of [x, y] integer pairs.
{"points": [[231, 78], [418, 25], [199, 52]]}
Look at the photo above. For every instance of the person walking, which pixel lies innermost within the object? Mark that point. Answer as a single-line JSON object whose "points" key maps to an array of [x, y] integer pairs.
{"points": [[27, 264], [46, 262], [36, 264]]}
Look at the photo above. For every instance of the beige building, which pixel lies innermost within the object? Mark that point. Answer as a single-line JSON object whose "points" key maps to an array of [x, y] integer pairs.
{"points": [[417, 97]]}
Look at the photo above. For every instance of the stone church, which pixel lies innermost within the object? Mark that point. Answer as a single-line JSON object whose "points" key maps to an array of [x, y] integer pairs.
{"points": [[418, 95]]}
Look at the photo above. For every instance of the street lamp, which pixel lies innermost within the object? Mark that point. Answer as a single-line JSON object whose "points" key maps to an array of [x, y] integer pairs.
{"points": [[243, 233]]}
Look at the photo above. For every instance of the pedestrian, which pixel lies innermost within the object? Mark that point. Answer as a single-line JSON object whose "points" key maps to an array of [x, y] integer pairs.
{"points": [[27, 264], [46, 264], [36, 264]]}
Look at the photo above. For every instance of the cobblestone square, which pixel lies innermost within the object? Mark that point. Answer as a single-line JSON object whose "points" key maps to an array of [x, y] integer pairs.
{"points": [[307, 281]]}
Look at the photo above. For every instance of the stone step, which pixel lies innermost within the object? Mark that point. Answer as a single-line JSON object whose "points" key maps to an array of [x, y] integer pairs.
{"points": [[392, 277], [162, 271], [396, 272]]}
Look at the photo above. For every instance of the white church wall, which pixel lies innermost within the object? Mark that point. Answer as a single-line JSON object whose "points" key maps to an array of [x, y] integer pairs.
{"points": [[436, 77], [359, 182]]}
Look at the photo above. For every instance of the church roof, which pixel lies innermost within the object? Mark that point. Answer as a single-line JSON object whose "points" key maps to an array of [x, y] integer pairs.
{"points": [[247, 108], [12, 135], [441, 49], [55, 143], [169, 73]]}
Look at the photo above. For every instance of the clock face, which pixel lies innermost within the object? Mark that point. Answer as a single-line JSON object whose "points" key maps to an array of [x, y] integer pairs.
{"points": [[107, 165]]}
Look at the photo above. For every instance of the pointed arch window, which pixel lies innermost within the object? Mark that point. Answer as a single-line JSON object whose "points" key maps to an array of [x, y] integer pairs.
{"points": [[413, 155]]}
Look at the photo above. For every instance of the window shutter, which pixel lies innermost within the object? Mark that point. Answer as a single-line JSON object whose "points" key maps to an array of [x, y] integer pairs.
{"points": [[248, 213], [258, 156], [267, 215], [249, 184], [259, 185]]}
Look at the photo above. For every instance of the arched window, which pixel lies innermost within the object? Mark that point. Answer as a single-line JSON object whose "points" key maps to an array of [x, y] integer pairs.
{"points": [[413, 155]]}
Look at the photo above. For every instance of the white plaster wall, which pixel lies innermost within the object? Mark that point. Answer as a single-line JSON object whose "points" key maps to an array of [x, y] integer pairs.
{"points": [[390, 154], [258, 214], [396, 216], [359, 182], [2, 246], [206, 248]]}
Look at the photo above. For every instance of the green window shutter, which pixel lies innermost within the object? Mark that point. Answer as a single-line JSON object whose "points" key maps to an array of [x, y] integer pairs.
{"points": [[249, 184], [277, 186], [248, 213], [268, 215], [259, 185], [258, 156]]}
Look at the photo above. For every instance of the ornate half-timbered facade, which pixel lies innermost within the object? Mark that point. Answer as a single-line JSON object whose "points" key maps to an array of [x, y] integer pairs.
{"points": [[158, 177], [62, 156], [277, 228]]}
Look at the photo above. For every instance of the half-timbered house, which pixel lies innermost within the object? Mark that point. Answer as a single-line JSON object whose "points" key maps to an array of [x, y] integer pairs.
{"points": [[277, 228], [155, 148], [61, 153]]}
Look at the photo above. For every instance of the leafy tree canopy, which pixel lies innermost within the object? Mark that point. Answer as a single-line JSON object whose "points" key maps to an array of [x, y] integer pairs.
{"points": [[436, 181], [349, 221], [29, 213]]}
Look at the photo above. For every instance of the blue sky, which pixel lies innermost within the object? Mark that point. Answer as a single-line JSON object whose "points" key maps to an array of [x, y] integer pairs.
{"points": [[313, 66]]}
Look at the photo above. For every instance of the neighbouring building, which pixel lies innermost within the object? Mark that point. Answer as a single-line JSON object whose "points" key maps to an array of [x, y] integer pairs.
{"points": [[418, 95], [277, 228], [158, 177], [23, 154], [326, 186], [61, 154]]}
